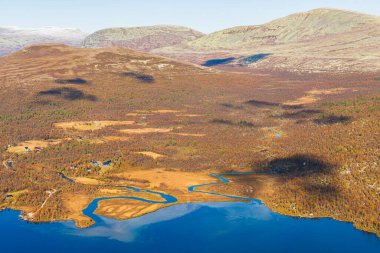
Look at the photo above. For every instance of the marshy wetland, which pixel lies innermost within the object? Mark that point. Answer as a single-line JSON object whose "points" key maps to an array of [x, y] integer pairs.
{"points": [[121, 159], [222, 226]]}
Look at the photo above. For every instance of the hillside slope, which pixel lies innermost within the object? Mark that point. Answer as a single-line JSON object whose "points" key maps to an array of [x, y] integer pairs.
{"points": [[141, 38], [300, 27], [13, 39], [318, 40]]}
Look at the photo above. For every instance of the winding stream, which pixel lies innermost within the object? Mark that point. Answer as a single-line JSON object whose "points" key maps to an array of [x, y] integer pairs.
{"points": [[239, 226], [224, 180], [89, 211], [168, 199]]}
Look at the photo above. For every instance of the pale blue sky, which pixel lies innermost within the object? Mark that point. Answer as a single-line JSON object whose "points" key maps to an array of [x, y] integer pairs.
{"points": [[203, 15]]}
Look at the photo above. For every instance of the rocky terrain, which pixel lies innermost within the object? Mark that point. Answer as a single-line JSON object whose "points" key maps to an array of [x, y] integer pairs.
{"points": [[13, 38], [314, 41], [141, 38]]}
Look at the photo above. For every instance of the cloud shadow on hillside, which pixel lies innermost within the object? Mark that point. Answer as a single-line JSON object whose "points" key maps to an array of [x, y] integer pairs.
{"points": [[264, 104], [145, 78], [305, 167], [332, 119], [71, 81], [260, 103], [241, 123], [66, 93], [298, 165]]}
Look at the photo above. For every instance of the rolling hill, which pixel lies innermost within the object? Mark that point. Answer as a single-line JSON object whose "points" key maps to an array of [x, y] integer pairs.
{"points": [[318, 40], [141, 38]]}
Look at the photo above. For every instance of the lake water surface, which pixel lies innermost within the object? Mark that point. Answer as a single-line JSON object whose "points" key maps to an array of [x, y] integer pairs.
{"points": [[199, 227]]}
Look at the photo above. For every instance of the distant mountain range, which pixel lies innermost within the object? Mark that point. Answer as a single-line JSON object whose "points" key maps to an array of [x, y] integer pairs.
{"points": [[315, 41], [13, 38]]}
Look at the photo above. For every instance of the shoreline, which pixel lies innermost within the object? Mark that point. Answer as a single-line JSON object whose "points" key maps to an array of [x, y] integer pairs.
{"points": [[182, 203], [192, 189]]}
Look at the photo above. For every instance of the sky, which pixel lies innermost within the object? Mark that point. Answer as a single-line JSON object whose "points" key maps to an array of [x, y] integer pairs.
{"points": [[203, 15]]}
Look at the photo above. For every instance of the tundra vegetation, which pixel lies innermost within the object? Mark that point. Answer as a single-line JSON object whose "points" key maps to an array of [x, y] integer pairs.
{"points": [[319, 156]]}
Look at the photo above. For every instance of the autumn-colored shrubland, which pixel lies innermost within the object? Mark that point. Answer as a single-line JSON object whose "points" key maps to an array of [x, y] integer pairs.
{"points": [[322, 157]]}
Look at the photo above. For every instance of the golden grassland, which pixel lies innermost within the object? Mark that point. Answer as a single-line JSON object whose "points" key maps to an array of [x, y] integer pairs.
{"points": [[146, 130], [33, 145], [150, 154], [91, 125], [322, 153], [313, 96], [189, 134], [123, 209]]}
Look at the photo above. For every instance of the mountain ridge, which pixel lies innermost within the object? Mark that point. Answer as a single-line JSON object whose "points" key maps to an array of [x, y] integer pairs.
{"points": [[143, 38], [317, 40], [331, 17]]}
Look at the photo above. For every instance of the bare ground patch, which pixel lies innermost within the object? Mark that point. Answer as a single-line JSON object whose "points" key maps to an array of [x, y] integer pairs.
{"points": [[190, 134], [151, 154], [146, 130], [90, 125], [189, 115], [313, 96], [34, 145], [87, 180]]}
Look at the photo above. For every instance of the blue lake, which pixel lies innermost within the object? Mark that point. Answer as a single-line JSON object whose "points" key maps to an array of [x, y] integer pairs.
{"points": [[199, 227], [216, 62], [253, 58]]}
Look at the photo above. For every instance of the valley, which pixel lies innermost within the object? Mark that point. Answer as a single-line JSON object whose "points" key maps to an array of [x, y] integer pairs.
{"points": [[202, 126], [312, 138]]}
